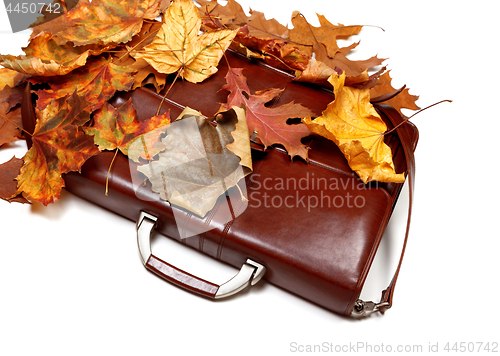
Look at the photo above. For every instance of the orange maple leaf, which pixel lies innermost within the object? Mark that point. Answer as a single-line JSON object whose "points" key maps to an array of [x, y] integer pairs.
{"points": [[119, 128], [97, 82], [105, 22], [59, 146]]}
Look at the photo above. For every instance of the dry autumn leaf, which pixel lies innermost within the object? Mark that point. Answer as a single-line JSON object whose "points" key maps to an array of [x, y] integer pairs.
{"points": [[54, 10], [269, 123], [10, 112], [118, 128], [322, 41], [230, 15], [7, 77], [355, 126], [403, 100], [8, 184], [316, 72], [97, 82], [37, 67], [59, 146], [10, 122], [233, 16], [178, 47], [145, 73], [44, 57], [274, 52], [105, 22], [261, 27], [198, 164]]}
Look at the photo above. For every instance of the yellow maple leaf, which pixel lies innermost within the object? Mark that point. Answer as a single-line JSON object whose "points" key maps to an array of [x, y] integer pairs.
{"points": [[178, 47], [7, 78], [354, 125]]}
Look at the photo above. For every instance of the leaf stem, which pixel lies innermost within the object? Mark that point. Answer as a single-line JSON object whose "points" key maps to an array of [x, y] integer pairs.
{"points": [[109, 171], [13, 123], [133, 48], [171, 85], [408, 118]]}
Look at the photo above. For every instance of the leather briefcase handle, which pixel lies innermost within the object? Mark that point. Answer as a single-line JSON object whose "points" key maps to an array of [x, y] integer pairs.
{"points": [[250, 273]]}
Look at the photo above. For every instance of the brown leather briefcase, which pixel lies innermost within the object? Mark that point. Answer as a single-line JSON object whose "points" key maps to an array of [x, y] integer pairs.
{"points": [[312, 228]]}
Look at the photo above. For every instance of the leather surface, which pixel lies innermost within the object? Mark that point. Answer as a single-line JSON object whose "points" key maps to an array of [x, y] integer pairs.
{"points": [[317, 239]]}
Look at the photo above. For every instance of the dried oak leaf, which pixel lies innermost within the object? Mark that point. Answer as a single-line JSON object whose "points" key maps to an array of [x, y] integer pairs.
{"points": [[105, 22], [403, 100], [269, 123], [230, 15], [322, 41], [178, 47], [261, 27], [119, 128], [97, 82], [233, 16], [198, 164], [355, 126], [59, 146], [8, 184]]}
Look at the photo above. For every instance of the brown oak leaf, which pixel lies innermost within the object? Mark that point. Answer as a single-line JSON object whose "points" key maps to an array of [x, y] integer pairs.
{"points": [[403, 100], [322, 42], [269, 123], [261, 27], [230, 15]]}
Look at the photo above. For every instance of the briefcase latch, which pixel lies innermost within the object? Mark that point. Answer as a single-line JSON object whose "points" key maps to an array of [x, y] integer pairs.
{"points": [[362, 308]]}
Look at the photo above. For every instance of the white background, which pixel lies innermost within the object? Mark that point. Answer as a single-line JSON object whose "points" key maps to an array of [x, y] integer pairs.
{"points": [[71, 282]]}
